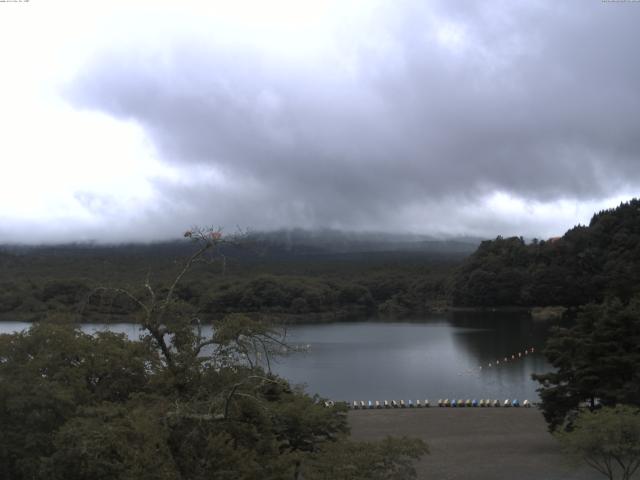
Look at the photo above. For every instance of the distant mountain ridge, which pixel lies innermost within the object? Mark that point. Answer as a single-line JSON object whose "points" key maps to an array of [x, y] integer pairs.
{"points": [[292, 274], [292, 241], [336, 241]]}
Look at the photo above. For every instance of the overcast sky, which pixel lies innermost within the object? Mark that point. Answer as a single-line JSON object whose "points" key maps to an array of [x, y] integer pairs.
{"points": [[133, 121]]}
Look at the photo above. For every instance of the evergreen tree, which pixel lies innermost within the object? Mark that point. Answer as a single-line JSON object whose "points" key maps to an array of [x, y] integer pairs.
{"points": [[588, 264], [597, 361]]}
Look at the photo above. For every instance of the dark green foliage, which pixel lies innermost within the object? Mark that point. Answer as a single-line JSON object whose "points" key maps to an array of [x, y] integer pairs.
{"points": [[75, 406], [65, 279], [67, 292], [178, 404], [10, 298], [597, 358], [109, 441], [494, 275], [47, 374], [269, 293], [608, 440], [588, 264]]}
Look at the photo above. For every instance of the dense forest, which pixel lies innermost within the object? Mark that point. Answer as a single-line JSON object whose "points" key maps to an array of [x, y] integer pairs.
{"points": [[596, 362], [587, 264], [276, 275], [326, 278], [178, 403]]}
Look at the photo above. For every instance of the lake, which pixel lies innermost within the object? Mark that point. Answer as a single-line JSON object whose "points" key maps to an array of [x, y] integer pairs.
{"points": [[432, 357]]}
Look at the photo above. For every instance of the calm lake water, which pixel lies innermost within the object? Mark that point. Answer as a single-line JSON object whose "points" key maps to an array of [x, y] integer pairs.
{"points": [[434, 357]]}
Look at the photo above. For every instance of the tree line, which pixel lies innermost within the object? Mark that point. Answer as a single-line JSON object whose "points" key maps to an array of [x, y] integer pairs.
{"points": [[331, 286], [586, 265]]}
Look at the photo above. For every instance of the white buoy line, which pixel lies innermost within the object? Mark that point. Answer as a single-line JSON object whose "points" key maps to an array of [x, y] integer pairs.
{"points": [[514, 357], [500, 361]]}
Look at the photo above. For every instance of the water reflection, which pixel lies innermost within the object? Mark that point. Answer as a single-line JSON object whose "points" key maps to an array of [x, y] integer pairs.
{"points": [[436, 357], [431, 358]]}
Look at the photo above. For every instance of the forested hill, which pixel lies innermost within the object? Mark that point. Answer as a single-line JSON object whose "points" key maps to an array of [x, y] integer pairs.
{"points": [[283, 273], [587, 264]]}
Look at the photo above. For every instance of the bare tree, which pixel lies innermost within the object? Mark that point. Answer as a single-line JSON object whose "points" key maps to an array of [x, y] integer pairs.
{"points": [[177, 332]]}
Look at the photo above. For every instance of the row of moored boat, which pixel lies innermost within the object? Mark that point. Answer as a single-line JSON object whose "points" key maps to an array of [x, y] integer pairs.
{"points": [[470, 403]]}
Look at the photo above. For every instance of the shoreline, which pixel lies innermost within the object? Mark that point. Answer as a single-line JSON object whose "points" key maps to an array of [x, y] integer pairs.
{"points": [[337, 316]]}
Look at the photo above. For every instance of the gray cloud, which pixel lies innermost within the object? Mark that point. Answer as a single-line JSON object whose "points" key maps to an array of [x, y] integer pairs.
{"points": [[539, 100]]}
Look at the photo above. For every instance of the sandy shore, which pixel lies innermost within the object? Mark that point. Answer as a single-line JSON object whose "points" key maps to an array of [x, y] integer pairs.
{"points": [[475, 443]]}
